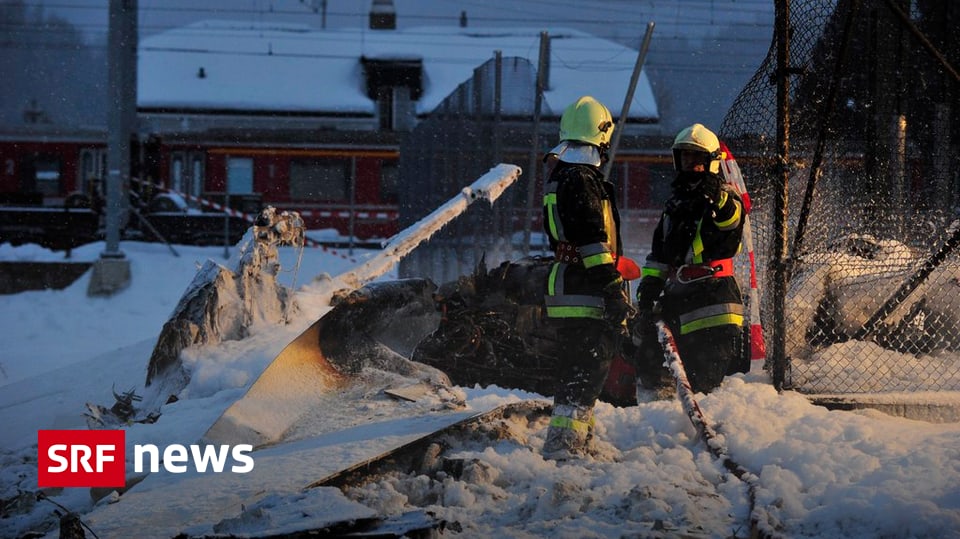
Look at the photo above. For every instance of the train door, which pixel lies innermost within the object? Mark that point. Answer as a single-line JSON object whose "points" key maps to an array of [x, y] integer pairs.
{"points": [[92, 170], [187, 172]]}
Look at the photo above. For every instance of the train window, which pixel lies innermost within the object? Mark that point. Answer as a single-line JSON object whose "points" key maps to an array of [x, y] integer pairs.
{"points": [[48, 175], [239, 175], [187, 172], [319, 179], [196, 174], [176, 172], [93, 167], [389, 181], [86, 168]]}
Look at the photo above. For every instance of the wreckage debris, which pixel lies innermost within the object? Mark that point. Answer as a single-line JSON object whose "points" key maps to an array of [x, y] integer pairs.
{"points": [[122, 412], [220, 304], [426, 455]]}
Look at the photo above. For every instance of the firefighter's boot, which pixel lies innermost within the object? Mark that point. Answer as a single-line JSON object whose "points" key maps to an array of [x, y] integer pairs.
{"points": [[570, 433]]}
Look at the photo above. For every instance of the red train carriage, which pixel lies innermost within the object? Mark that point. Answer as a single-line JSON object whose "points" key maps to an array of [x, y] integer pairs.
{"points": [[350, 188], [43, 167]]}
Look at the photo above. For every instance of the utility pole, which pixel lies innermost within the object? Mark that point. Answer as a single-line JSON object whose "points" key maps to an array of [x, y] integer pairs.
{"points": [[111, 273], [541, 85]]}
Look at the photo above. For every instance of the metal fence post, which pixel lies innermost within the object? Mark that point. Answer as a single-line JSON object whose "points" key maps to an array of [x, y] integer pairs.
{"points": [[779, 255]]}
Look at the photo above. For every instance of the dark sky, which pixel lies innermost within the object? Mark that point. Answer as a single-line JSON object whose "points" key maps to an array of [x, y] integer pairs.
{"points": [[702, 52]]}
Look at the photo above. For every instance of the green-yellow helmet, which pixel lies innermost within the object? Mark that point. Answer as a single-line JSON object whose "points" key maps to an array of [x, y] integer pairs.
{"points": [[698, 138], [587, 120]]}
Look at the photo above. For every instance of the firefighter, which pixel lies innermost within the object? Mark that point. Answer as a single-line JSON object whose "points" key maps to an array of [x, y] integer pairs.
{"points": [[688, 276], [586, 300]]}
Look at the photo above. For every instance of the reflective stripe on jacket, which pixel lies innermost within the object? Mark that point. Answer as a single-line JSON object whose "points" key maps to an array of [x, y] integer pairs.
{"points": [[691, 231], [711, 316], [579, 210]]}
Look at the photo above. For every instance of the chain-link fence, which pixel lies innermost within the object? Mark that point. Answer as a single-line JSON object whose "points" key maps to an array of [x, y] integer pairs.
{"points": [[485, 121], [492, 118], [857, 228]]}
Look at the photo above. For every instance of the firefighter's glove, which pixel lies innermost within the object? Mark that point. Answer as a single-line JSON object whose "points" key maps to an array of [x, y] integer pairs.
{"points": [[643, 327], [710, 188], [617, 307], [648, 292]]}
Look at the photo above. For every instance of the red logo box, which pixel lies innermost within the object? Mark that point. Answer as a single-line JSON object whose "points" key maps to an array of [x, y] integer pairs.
{"points": [[81, 458]]}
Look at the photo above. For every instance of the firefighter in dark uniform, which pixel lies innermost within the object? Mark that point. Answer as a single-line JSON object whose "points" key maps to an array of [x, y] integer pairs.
{"points": [[586, 301], [691, 265]]}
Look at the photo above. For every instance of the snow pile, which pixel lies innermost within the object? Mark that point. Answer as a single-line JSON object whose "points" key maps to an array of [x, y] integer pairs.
{"points": [[824, 474], [654, 478]]}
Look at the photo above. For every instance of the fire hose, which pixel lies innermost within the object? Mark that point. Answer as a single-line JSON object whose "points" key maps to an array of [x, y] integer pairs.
{"points": [[759, 523]]}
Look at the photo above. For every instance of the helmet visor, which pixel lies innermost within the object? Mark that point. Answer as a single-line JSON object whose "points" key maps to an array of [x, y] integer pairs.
{"points": [[691, 161]]}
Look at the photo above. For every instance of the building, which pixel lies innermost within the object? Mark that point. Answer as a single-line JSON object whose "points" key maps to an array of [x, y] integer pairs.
{"points": [[312, 119]]}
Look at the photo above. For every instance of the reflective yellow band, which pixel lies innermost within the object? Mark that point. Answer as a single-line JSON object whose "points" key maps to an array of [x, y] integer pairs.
{"points": [[647, 271], [552, 280], [553, 218], [561, 305], [723, 199], [712, 321], [655, 269], [596, 260], [574, 311], [697, 246], [729, 224], [711, 316], [594, 254], [583, 427]]}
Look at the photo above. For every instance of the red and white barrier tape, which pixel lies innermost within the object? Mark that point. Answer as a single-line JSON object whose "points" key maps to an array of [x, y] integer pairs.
{"points": [[245, 216], [383, 216]]}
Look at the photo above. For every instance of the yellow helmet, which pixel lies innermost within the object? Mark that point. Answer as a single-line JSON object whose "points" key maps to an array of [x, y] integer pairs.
{"points": [[587, 120], [698, 138]]}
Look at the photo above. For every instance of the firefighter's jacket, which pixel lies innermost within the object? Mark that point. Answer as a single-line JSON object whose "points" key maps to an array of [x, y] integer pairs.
{"points": [[690, 260], [582, 223]]}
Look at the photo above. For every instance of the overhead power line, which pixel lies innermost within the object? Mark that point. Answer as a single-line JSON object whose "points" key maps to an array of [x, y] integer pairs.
{"points": [[654, 66], [549, 13], [692, 14], [319, 35]]}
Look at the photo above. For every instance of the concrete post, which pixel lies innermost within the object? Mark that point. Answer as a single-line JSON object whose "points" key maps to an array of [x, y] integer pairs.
{"points": [[111, 273]]}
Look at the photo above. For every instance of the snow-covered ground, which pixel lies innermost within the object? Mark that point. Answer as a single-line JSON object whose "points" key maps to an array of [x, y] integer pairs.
{"points": [[820, 473]]}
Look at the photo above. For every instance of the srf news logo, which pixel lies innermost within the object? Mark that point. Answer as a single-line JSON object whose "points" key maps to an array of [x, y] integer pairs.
{"points": [[81, 458], [97, 458]]}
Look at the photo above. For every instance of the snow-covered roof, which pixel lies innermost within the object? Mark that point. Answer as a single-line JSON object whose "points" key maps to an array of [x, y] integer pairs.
{"points": [[296, 68]]}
